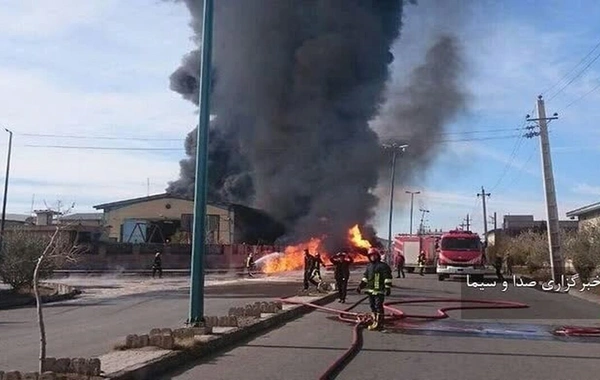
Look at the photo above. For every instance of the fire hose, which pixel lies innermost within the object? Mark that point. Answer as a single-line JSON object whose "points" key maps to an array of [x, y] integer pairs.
{"points": [[578, 331], [361, 319]]}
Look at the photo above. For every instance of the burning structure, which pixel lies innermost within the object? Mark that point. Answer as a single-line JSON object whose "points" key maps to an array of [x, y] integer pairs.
{"points": [[295, 86]]}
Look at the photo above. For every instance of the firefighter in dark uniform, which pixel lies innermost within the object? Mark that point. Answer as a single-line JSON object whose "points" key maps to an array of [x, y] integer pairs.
{"points": [[378, 282], [309, 261], [498, 266], [421, 261], [342, 262], [157, 265], [250, 264]]}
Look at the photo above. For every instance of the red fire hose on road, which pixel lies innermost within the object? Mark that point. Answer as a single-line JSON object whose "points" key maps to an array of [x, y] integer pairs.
{"points": [[361, 319], [442, 312], [578, 331]]}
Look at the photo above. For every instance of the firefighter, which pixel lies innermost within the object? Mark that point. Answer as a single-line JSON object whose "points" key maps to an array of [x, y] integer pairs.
{"points": [[250, 264], [316, 270], [421, 261], [378, 281], [342, 262], [400, 265], [308, 269], [509, 264], [498, 266], [157, 265]]}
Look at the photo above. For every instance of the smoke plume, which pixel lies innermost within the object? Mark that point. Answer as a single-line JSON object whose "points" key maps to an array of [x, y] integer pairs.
{"points": [[417, 113], [295, 85]]}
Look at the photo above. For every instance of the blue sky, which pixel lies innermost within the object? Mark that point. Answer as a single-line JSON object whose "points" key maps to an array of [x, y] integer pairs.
{"points": [[71, 67]]}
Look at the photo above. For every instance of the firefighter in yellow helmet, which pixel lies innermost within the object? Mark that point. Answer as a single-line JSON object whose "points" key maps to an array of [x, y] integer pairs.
{"points": [[378, 283]]}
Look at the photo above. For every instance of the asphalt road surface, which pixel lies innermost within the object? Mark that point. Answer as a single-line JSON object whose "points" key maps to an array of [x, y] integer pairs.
{"points": [[478, 344], [111, 308]]}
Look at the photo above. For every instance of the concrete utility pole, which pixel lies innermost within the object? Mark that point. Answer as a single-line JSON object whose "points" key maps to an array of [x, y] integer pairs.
{"points": [[494, 221], [196, 312], [556, 259], [423, 212], [483, 194], [467, 223], [412, 198], [395, 148], [10, 136]]}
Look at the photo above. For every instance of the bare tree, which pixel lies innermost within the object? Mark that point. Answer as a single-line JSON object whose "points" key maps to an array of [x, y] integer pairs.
{"points": [[59, 250]]}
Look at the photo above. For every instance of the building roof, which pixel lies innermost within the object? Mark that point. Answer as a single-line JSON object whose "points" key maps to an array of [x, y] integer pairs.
{"points": [[584, 210], [128, 202], [17, 218], [84, 216]]}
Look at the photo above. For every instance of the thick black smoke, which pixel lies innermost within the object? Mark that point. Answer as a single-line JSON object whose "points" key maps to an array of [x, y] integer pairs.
{"points": [[295, 85], [417, 113]]}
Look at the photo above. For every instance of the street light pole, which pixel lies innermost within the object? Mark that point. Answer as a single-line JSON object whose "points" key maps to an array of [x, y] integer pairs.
{"points": [[395, 149], [412, 198], [196, 312], [10, 136]]}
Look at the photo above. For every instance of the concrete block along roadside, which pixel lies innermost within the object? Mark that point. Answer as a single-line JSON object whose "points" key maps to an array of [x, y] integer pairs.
{"points": [[61, 292], [150, 361]]}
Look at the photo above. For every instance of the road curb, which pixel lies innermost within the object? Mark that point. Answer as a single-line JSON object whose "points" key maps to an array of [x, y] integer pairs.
{"points": [[215, 344], [63, 293]]}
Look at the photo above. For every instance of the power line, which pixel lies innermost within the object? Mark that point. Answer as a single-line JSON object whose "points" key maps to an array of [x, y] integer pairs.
{"points": [[523, 167], [575, 77], [583, 96], [513, 154], [100, 147], [99, 137], [128, 138], [182, 148], [573, 69], [480, 131], [482, 138], [511, 158]]}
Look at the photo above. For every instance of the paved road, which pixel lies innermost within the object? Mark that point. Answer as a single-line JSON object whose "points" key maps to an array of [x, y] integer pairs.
{"points": [[111, 308], [502, 344]]}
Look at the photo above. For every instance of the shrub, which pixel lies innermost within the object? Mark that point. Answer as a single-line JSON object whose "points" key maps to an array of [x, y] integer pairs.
{"points": [[18, 258], [584, 248]]}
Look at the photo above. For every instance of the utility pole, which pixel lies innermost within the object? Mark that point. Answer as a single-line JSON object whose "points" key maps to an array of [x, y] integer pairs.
{"points": [[395, 148], [467, 223], [556, 259], [412, 198], [494, 221], [483, 194], [196, 312], [423, 212], [10, 136]]}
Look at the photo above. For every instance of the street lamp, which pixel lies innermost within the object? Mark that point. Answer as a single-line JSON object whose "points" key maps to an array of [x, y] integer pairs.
{"points": [[395, 148], [10, 136], [196, 312], [412, 198]]}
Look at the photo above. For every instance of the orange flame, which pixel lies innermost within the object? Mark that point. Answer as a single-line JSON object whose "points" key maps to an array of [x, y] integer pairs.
{"points": [[293, 257], [356, 238]]}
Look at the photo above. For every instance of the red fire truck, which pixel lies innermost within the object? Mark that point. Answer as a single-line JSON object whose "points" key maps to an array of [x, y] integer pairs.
{"points": [[461, 253], [409, 246]]}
